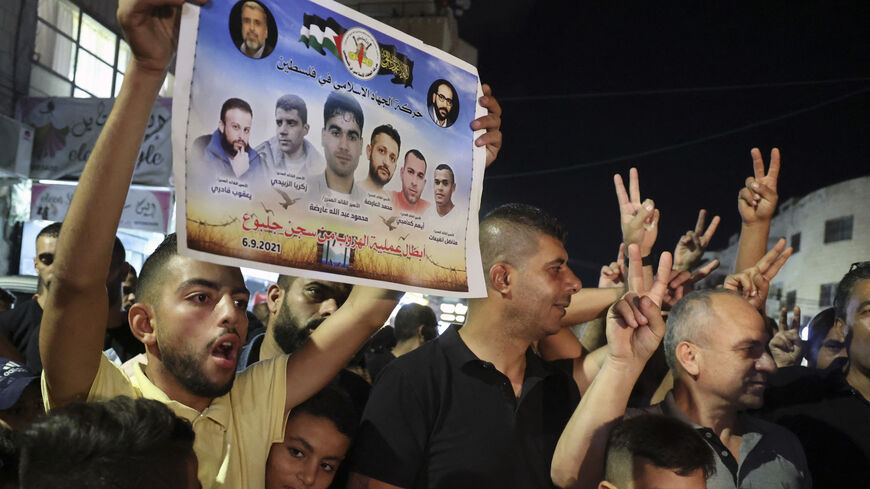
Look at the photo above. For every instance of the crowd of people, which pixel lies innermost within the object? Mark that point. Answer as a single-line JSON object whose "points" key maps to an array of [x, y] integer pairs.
{"points": [[161, 380]]}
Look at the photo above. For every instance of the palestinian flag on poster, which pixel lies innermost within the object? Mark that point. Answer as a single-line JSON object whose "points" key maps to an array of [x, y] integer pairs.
{"points": [[320, 35]]}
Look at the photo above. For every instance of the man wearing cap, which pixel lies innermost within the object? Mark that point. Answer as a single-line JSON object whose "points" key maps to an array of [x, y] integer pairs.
{"points": [[20, 396]]}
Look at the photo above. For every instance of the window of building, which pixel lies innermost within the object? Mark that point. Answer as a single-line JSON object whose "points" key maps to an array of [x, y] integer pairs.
{"points": [[76, 56], [796, 242], [790, 299], [838, 229], [826, 294], [775, 291]]}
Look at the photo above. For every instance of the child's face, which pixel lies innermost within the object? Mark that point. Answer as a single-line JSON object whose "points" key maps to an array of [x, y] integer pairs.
{"points": [[308, 457]]}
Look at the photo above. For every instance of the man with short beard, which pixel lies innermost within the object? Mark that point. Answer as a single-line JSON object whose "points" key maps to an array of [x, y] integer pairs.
{"points": [[383, 152], [255, 31], [289, 150], [343, 121], [226, 152], [413, 182], [297, 306], [190, 315], [442, 104]]}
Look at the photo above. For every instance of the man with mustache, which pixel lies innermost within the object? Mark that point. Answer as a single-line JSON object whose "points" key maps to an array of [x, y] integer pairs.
{"points": [[289, 150], [443, 104], [226, 153], [190, 314], [413, 182], [297, 306], [255, 31], [342, 146], [383, 152]]}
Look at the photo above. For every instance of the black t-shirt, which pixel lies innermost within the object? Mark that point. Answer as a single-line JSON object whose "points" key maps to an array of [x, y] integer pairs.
{"points": [[439, 417], [21, 328], [831, 420], [375, 362]]}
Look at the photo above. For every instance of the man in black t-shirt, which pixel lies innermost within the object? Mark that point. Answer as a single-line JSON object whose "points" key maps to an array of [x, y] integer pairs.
{"points": [[827, 409], [20, 326], [476, 407]]}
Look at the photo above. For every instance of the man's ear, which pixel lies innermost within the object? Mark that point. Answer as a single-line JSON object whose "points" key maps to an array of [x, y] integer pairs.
{"points": [[500, 277], [687, 357], [305, 130], [139, 316], [274, 296], [606, 485]]}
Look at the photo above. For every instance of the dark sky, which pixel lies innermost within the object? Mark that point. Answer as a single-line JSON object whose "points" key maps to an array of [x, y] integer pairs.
{"points": [[706, 83]]}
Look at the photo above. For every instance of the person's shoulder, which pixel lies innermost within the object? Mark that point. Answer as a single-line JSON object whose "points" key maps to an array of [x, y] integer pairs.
{"points": [[792, 386], [201, 142], [263, 148], [780, 433], [424, 361]]}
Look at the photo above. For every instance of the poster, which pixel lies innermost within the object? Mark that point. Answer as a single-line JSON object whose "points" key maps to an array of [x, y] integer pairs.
{"points": [[67, 129], [146, 208], [313, 141]]}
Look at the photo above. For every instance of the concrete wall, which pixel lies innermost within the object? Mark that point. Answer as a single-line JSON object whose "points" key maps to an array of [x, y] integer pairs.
{"points": [[816, 263]]}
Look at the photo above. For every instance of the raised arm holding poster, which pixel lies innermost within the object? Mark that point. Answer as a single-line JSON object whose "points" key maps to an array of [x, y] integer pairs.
{"points": [[314, 141]]}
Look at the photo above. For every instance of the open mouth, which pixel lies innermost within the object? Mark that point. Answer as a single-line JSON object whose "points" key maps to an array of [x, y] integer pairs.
{"points": [[225, 351]]}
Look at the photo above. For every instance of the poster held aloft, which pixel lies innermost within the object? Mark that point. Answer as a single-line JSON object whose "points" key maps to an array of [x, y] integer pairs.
{"points": [[314, 141]]}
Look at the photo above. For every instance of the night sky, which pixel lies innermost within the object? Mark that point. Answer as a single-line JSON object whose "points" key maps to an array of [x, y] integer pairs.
{"points": [[682, 93]]}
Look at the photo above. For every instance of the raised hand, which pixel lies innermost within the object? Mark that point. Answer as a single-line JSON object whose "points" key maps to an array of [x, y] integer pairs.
{"points": [[757, 200], [151, 29], [681, 283], [491, 122], [754, 282], [692, 245], [787, 347], [613, 275], [634, 323], [639, 219]]}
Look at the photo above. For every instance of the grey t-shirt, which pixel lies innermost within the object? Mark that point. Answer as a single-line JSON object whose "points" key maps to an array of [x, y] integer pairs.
{"points": [[770, 455]]}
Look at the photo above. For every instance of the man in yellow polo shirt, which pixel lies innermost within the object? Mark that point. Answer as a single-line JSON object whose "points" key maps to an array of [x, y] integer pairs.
{"points": [[190, 314]]}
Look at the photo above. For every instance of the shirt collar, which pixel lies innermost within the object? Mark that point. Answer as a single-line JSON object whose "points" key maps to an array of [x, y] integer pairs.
{"points": [[460, 354], [669, 407], [218, 411]]}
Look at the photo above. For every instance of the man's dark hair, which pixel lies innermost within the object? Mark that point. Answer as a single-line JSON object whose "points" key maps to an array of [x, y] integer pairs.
{"points": [[342, 103], [285, 281], [118, 443], [409, 319], [510, 232], [445, 166], [817, 330], [333, 403], [857, 272], [665, 442], [152, 270], [389, 131], [417, 154], [235, 103], [293, 102], [50, 231]]}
